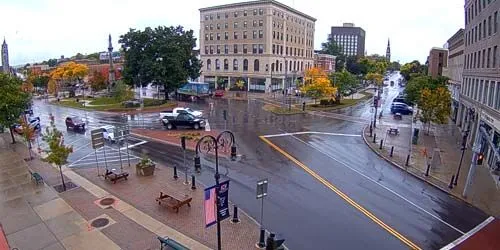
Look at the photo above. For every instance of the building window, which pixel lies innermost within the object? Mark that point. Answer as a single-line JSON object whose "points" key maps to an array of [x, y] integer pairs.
{"points": [[218, 16], [255, 12], [286, 51], [211, 50], [261, 48], [218, 49], [254, 23], [217, 64], [206, 37], [206, 27], [494, 64], [484, 58], [235, 48], [491, 93], [245, 13], [209, 64], [261, 34], [489, 26], [495, 22], [226, 26], [211, 26], [287, 37], [254, 34], [488, 58], [245, 24], [211, 36], [484, 28], [274, 49], [206, 17], [274, 34], [226, 49], [226, 35], [218, 36], [282, 36], [261, 23], [245, 65], [254, 48], [235, 25], [226, 15], [226, 64], [235, 35], [218, 26], [235, 65], [245, 48], [236, 14], [256, 65], [261, 12], [281, 49], [244, 35]]}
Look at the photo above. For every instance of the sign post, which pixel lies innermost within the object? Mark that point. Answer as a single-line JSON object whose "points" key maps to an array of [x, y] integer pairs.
{"points": [[261, 193], [97, 142]]}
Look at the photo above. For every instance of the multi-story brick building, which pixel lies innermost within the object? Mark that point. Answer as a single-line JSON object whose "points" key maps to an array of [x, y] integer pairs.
{"points": [[454, 69], [260, 43], [480, 92], [325, 62], [438, 59]]}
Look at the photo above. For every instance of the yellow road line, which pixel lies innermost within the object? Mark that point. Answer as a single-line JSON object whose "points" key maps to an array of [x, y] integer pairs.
{"points": [[342, 195]]}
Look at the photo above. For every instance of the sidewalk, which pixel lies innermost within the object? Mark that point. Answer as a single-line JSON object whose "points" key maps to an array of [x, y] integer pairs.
{"points": [[133, 217], [441, 149]]}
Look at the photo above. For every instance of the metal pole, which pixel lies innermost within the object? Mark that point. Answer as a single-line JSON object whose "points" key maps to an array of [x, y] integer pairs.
{"points": [[97, 162], [459, 166], [185, 169], [120, 156], [105, 161], [217, 188], [284, 84], [262, 214], [128, 154], [476, 148]]}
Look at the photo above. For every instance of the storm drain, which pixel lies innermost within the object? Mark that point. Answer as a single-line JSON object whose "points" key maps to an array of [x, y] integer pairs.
{"points": [[100, 222], [107, 201]]}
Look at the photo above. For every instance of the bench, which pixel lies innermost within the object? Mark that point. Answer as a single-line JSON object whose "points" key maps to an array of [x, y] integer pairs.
{"points": [[393, 130], [167, 243], [36, 177], [174, 200], [114, 177]]}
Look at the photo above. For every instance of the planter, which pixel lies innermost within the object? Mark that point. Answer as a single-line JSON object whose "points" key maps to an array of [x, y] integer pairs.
{"points": [[145, 168], [147, 171]]}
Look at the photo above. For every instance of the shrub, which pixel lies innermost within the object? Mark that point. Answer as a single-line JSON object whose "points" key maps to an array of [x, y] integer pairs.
{"points": [[153, 102]]}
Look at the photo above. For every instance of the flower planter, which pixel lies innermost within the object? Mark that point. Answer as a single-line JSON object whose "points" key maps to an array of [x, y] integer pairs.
{"points": [[145, 168]]}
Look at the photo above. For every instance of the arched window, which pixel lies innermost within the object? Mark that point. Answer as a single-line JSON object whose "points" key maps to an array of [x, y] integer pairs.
{"points": [[277, 63], [302, 66], [235, 64], [256, 65], [226, 64], [294, 65], [209, 64], [217, 64], [245, 65], [281, 66], [272, 67]]}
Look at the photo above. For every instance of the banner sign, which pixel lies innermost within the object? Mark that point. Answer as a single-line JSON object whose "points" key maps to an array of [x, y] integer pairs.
{"points": [[224, 200], [210, 205]]}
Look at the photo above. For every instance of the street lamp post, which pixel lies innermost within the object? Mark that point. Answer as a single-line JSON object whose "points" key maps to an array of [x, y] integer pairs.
{"points": [[464, 143], [208, 144], [284, 84]]}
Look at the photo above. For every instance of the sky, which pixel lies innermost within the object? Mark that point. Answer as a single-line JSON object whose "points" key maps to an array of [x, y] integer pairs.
{"points": [[37, 30]]}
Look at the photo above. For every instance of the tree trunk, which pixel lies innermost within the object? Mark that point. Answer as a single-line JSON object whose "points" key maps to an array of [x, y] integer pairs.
{"points": [[12, 135], [166, 92], [62, 178]]}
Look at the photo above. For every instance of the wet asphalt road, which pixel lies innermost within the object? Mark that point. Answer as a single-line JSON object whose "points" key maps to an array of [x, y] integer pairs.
{"points": [[307, 213]]}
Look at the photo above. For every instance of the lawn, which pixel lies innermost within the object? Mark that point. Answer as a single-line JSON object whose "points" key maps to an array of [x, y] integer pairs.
{"points": [[280, 110], [344, 103], [111, 104]]}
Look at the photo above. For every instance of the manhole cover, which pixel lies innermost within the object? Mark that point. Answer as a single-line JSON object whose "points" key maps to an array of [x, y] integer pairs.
{"points": [[107, 201], [101, 222]]}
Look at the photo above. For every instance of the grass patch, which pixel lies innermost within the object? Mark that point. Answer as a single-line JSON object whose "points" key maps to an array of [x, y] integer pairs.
{"points": [[344, 103], [281, 111], [113, 106], [104, 101]]}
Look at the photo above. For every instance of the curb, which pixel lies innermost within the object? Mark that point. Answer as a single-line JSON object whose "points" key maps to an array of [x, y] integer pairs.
{"points": [[402, 168]]}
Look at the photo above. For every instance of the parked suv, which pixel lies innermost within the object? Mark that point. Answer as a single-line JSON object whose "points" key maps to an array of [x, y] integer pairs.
{"points": [[75, 122], [402, 108]]}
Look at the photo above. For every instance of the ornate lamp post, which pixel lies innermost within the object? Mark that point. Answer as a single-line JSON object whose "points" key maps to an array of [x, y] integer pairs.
{"points": [[206, 145]]}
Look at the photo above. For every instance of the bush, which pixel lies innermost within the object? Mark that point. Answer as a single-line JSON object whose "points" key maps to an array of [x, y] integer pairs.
{"points": [[153, 102], [327, 102]]}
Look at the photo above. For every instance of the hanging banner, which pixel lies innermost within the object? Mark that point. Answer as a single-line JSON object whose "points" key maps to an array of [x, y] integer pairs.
{"points": [[209, 205], [223, 200]]}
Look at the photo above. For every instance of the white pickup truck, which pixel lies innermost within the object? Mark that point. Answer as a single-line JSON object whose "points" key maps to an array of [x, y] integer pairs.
{"points": [[176, 111]]}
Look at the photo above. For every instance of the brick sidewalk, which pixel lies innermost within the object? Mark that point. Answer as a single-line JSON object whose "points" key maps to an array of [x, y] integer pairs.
{"points": [[441, 149]]}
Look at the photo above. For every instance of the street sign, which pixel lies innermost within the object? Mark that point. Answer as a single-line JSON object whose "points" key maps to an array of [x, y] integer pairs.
{"points": [[97, 138], [223, 200], [261, 189]]}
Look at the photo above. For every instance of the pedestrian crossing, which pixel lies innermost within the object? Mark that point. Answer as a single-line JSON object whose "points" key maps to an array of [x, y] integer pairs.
{"points": [[108, 157]]}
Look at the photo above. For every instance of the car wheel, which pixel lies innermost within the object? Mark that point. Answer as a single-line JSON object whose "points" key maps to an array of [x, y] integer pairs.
{"points": [[170, 126], [196, 126]]}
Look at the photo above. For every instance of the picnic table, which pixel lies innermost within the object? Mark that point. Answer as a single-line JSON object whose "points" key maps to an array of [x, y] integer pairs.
{"points": [[393, 130], [174, 200], [114, 177]]}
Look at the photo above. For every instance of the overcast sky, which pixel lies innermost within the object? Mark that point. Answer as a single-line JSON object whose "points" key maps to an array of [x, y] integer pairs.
{"points": [[38, 30]]}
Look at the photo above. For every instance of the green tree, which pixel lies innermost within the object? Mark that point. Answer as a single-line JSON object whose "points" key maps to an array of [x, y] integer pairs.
{"points": [[52, 62], [435, 106], [412, 68], [317, 84], [58, 152], [28, 134], [417, 83], [13, 101], [163, 56], [331, 47], [121, 92], [40, 81], [94, 56], [343, 81]]}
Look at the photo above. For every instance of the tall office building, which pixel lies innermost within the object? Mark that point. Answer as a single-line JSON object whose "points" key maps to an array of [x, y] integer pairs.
{"points": [[258, 44], [438, 59], [350, 38], [5, 58], [480, 92]]}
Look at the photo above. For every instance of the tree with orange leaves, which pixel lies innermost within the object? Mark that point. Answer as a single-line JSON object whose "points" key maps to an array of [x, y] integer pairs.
{"points": [[317, 84], [69, 73]]}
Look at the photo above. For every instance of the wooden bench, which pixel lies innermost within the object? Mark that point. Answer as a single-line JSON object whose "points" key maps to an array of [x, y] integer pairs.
{"points": [[36, 177], [174, 200], [393, 130], [114, 177]]}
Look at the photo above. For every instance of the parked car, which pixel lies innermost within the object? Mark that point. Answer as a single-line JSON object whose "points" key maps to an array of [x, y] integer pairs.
{"points": [[75, 123], [108, 133], [402, 108], [402, 100], [183, 120], [34, 123], [219, 93], [132, 103], [177, 111]]}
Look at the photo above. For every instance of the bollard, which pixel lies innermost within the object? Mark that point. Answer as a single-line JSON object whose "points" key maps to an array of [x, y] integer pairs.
{"points": [[270, 242], [235, 215], [407, 160], [193, 185], [175, 172], [304, 106], [374, 137], [392, 151], [427, 170], [451, 182], [371, 129], [197, 164], [381, 143]]}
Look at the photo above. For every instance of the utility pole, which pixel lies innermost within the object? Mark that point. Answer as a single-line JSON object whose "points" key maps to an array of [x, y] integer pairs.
{"points": [[111, 77]]}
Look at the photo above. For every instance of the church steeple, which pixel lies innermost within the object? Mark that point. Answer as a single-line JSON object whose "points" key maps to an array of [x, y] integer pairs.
{"points": [[5, 57], [111, 76], [388, 51]]}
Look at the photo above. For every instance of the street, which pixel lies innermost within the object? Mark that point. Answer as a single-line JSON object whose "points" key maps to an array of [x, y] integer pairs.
{"points": [[327, 189]]}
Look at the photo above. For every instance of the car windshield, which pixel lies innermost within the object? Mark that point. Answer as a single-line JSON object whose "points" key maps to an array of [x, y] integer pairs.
{"points": [[76, 120], [189, 110]]}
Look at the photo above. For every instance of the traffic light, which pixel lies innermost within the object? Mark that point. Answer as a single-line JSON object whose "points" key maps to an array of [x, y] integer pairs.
{"points": [[480, 158]]}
